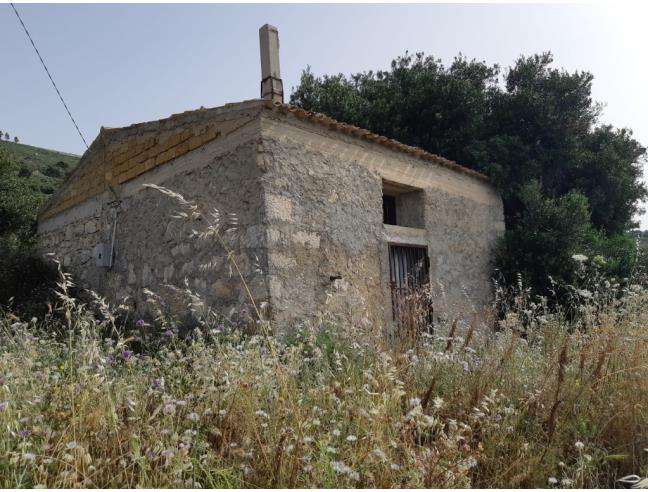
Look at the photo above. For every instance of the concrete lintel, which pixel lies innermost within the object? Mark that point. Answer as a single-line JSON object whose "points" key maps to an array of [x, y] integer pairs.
{"points": [[405, 235]]}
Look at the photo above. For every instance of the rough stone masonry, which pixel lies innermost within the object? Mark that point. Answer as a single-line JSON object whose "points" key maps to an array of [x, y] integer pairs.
{"points": [[309, 194]]}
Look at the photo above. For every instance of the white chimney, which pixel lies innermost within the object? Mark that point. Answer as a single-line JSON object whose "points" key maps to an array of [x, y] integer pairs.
{"points": [[271, 84]]}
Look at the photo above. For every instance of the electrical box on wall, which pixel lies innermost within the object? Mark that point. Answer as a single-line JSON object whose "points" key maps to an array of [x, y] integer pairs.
{"points": [[103, 255]]}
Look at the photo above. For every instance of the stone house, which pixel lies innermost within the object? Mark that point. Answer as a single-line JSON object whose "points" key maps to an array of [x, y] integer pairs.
{"points": [[336, 218]]}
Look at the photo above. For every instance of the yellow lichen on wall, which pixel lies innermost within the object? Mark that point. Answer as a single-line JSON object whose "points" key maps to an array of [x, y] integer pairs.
{"points": [[137, 155], [124, 159]]}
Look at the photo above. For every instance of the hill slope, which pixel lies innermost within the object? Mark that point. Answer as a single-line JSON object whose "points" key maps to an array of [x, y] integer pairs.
{"points": [[43, 169]]}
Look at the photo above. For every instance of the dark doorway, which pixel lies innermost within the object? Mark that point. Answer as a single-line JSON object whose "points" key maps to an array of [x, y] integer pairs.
{"points": [[409, 272]]}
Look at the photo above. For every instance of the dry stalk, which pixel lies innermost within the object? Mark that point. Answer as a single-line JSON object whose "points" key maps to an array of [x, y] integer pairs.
{"points": [[276, 472], [563, 361], [451, 335], [469, 334]]}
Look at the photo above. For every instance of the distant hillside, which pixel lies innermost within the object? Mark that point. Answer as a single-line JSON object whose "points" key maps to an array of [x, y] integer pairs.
{"points": [[44, 169]]}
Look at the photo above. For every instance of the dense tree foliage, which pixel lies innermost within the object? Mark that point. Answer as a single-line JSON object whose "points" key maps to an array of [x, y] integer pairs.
{"points": [[21, 270], [569, 185], [18, 207]]}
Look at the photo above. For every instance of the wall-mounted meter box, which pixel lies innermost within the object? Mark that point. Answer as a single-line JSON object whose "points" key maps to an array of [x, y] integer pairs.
{"points": [[103, 255]]}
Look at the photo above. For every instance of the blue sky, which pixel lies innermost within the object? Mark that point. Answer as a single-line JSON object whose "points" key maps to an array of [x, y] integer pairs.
{"points": [[122, 64]]}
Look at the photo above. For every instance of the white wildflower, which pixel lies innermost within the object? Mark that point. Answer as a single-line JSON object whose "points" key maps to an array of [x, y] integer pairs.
{"points": [[552, 480], [579, 445], [351, 438], [378, 453], [339, 467], [579, 258]]}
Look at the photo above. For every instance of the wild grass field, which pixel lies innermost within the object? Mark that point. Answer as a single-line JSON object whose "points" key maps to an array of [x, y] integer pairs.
{"points": [[526, 393], [87, 400]]}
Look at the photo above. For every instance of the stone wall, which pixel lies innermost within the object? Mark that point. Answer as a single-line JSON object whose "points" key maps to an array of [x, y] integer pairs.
{"points": [[309, 206], [461, 237], [328, 188], [151, 248], [324, 219]]}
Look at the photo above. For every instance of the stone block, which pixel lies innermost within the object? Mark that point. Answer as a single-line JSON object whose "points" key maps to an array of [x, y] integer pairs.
{"points": [[223, 290], [308, 239], [168, 273], [90, 227], [188, 268], [280, 261], [132, 278], [279, 207], [147, 276]]}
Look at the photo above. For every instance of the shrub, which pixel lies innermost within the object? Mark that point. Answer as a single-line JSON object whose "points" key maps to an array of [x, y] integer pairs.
{"points": [[27, 281], [53, 171], [24, 172]]}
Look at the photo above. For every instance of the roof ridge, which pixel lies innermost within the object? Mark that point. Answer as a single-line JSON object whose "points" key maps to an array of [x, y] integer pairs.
{"points": [[175, 116], [363, 133]]}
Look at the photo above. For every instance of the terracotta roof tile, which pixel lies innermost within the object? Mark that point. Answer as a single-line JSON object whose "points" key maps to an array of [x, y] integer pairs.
{"points": [[335, 125]]}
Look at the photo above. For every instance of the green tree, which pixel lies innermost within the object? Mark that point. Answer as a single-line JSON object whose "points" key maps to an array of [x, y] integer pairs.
{"points": [[531, 128], [545, 237], [19, 206], [22, 271]]}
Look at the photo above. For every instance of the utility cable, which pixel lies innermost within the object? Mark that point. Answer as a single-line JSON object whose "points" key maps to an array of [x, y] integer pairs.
{"points": [[49, 75]]}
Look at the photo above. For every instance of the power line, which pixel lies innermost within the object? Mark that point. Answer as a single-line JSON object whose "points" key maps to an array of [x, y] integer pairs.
{"points": [[49, 75]]}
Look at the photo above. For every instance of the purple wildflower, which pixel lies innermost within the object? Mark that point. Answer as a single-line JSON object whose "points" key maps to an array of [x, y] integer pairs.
{"points": [[139, 323], [126, 354], [110, 358], [25, 433], [3, 406], [157, 384], [168, 333]]}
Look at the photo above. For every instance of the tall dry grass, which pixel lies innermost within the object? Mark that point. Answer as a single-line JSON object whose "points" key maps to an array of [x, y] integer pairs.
{"points": [[330, 406], [546, 400]]}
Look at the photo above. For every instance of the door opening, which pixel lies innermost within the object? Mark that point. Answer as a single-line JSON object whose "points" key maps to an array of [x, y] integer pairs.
{"points": [[409, 272]]}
